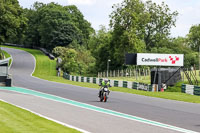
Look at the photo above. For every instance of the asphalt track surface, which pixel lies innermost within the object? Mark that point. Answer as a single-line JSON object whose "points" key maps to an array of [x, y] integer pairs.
{"points": [[180, 114]]}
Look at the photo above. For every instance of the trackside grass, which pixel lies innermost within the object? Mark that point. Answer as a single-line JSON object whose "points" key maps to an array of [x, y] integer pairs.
{"points": [[16, 120], [46, 69], [7, 56]]}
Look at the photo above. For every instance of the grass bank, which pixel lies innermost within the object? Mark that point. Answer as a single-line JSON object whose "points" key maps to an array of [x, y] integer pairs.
{"points": [[7, 56], [46, 69], [16, 120]]}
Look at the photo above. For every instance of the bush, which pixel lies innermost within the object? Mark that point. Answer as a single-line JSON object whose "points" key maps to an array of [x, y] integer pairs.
{"points": [[176, 88]]}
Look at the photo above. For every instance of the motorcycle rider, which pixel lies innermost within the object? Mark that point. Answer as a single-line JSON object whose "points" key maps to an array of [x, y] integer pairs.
{"points": [[104, 83]]}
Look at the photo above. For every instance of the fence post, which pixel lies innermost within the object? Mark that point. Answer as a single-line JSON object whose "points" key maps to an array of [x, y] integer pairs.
{"points": [[139, 75], [118, 73], [136, 73]]}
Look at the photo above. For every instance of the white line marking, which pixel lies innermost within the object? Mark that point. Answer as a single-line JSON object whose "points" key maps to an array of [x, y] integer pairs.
{"points": [[67, 125]]}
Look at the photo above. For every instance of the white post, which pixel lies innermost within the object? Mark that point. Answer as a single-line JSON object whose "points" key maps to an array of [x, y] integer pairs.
{"points": [[108, 67]]}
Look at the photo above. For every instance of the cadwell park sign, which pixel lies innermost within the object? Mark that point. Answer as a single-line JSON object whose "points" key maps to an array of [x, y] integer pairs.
{"points": [[160, 59]]}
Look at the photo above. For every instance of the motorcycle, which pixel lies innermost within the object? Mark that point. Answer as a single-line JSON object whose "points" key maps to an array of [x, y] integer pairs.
{"points": [[104, 94]]}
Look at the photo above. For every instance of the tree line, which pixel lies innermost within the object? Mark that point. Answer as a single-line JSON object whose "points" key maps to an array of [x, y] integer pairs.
{"points": [[135, 26]]}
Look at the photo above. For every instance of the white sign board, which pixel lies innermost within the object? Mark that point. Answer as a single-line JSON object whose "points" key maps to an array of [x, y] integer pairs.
{"points": [[160, 59]]}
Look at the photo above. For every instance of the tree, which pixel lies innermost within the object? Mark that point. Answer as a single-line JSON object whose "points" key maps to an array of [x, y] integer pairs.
{"points": [[138, 26], [12, 19], [99, 46], [160, 21], [64, 24], [32, 36], [76, 61], [194, 37]]}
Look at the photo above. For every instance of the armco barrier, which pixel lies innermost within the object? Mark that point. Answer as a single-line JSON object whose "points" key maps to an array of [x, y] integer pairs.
{"points": [[183, 88], [197, 90], [91, 79], [65, 75], [82, 79], [129, 84], [97, 81], [88, 79], [100, 80], [125, 84], [94, 80], [120, 84], [32, 47], [135, 85], [115, 83], [150, 88], [142, 86], [190, 89], [112, 82]]}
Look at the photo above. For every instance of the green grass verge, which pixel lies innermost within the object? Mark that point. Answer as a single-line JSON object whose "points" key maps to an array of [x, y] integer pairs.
{"points": [[141, 79], [45, 69], [16, 120], [7, 56]]}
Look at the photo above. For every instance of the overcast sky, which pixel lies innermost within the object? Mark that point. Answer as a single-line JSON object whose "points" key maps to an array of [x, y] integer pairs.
{"points": [[97, 11]]}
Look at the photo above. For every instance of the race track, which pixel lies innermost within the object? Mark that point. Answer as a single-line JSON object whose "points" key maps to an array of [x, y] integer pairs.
{"points": [[179, 114]]}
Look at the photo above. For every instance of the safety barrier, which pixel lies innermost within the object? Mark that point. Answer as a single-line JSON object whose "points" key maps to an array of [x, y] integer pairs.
{"points": [[115, 83], [190, 89]]}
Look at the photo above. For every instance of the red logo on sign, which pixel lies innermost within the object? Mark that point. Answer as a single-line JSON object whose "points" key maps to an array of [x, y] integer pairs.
{"points": [[174, 60]]}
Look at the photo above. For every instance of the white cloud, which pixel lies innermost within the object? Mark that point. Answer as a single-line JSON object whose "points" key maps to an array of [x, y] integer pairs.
{"points": [[97, 11], [81, 2], [29, 3]]}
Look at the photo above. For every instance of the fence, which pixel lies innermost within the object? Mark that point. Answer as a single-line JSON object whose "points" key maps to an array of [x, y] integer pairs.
{"points": [[115, 83], [139, 74], [32, 47], [126, 73]]}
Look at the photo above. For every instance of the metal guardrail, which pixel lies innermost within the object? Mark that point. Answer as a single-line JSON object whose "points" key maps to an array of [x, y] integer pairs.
{"points": [[115, 83], [41, 49]]}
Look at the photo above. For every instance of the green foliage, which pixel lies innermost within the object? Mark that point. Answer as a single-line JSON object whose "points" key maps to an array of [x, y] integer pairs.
{"points": [[139, 27], [12, 20], [160, 21], [176, 88], [194, 37], [51, 25], [99, 45], [136, 26], [1, 54], [77, 61]]}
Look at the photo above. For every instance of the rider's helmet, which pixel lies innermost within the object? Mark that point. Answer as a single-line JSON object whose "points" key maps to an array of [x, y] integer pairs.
{"points": [[105, 80]]}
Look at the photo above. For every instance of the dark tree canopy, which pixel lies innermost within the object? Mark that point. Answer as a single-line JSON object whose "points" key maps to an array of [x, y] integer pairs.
{"points": [[194, 37], [52, 25], [138, 27], [12, 20]]}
